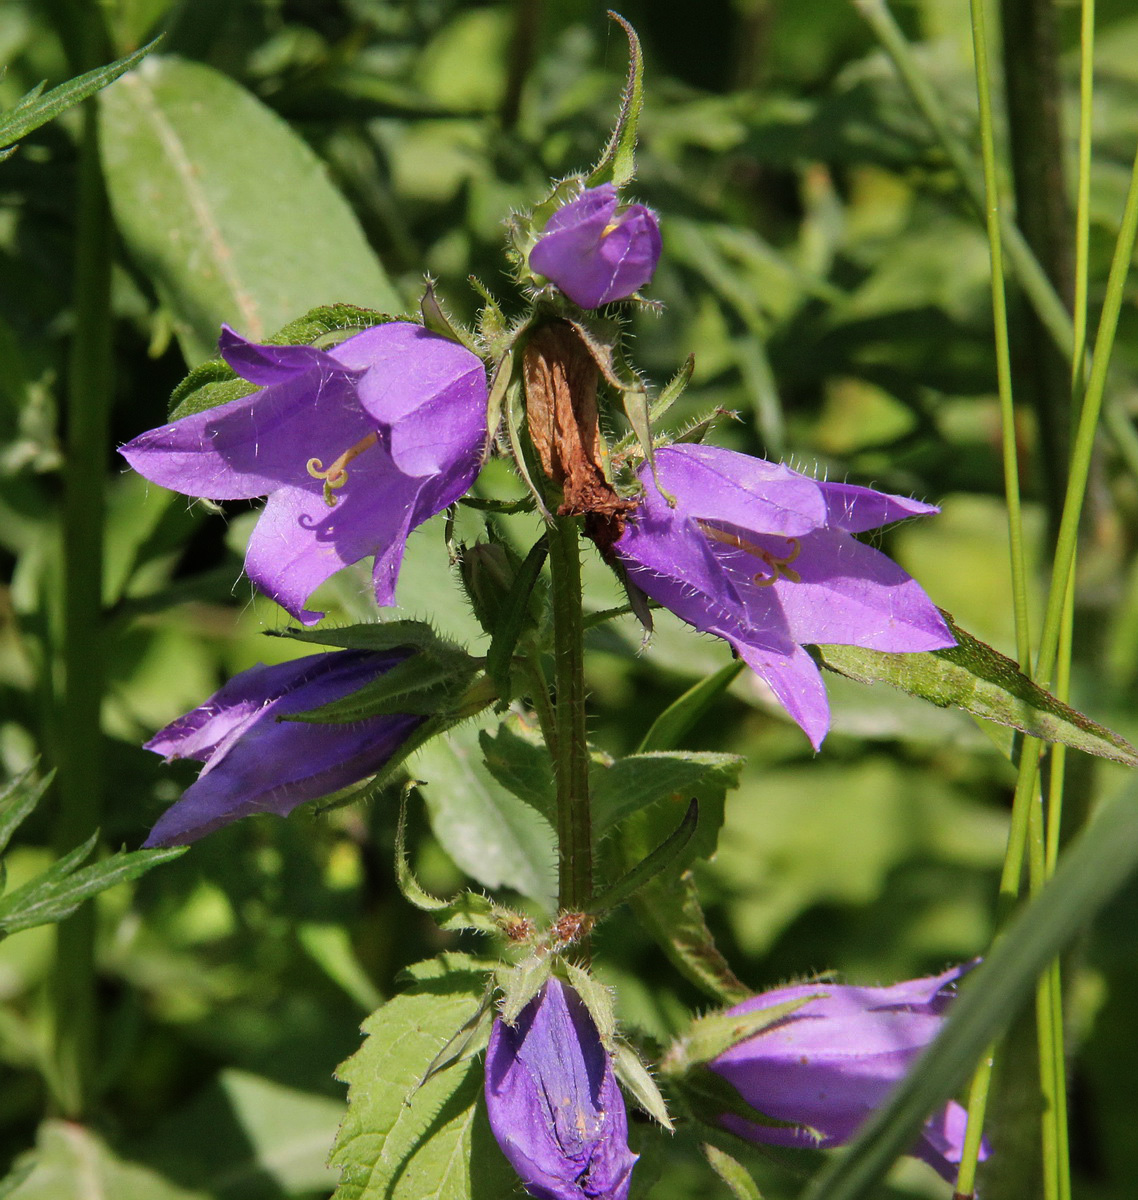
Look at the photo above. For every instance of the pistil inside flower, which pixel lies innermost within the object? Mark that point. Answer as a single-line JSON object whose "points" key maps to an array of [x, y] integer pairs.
{"points": [[779, 567], [336, 475]]}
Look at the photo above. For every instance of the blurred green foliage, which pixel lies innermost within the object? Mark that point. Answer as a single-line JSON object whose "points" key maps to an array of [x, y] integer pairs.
{"points": [[824, 266]]}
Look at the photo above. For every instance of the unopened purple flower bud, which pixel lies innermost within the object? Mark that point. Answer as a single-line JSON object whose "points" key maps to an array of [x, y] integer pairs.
{"points": [[597, 250], [255, 762], [831, 1063], [554, 1103]]}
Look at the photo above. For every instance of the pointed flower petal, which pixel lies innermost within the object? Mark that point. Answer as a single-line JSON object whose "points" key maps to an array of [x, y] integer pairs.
{"points": [[355, 446], [762, 556]]}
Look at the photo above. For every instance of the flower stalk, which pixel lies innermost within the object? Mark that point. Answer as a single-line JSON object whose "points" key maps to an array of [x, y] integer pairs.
{"points": [[571, 760]]}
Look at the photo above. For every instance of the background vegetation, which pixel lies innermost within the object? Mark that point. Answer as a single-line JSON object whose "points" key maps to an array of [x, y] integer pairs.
{"points": [[826, 266]]}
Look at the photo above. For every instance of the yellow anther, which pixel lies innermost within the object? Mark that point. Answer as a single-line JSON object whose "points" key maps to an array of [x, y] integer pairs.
{"points": [[336, 475], [612, 225], [779, 566]]}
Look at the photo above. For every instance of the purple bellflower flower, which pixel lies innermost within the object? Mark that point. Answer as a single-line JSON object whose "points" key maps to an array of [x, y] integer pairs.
{"points": [[354, 446], [596, 250], [554, 1103], [762, 556], [255, 762], [829, 1064]]}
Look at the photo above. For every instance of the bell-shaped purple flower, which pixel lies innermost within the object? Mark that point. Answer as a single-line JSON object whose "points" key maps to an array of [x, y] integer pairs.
{"points": [[762, 556], [597, 250], [256, 762], [830, 1064], [354, 446], [554, 1103]]}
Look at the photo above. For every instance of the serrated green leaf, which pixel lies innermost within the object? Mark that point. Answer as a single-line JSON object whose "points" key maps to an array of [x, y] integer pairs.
{"points": [[36, 108], [519, 760], [493, 836], [633, 783], [400, 1141], [59, 892], [17, 801], [672, 914], [973, 676], [227, 210], [663, 857]]}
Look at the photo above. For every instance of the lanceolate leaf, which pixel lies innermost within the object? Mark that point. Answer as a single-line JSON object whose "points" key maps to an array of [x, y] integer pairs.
{"points": [[37, 108], [632, 783], [17, 801], [973, 676], [403, 1141], [618, 162], [226, 209]]}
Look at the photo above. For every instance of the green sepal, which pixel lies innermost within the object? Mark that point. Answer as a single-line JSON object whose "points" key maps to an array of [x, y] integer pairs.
{"points": [[437, 321], [973, 676], [522, 981], [735, 1176], [618, 160], [215, 382], [669, 394], [638, 1082], [709, 1036], [515, 413], [664, 856], [708, 1096], [469, 1040], [597, 1000], [493, 328], [423, 684], [500, 380]]}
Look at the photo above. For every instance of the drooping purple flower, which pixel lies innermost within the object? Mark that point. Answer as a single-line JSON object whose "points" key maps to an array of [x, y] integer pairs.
{"points": [[762, 556], [255, 762], [831, 1063], [354, 446], [597, 250], [554, 1103]]}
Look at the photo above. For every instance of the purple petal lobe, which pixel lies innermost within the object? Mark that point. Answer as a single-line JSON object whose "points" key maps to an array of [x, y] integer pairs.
{"points": [[354, 446], [828, 1065], [596, 251], [761, 556], [255, 762], [554, 1103]]}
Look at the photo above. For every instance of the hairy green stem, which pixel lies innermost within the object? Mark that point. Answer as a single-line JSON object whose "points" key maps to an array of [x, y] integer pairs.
{"points": [[571, 762], [80, 749]]}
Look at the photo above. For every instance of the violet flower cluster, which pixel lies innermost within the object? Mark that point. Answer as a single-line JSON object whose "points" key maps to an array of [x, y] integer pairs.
{"points": [[355, 446], [826, 1067], [554, 1103]]}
